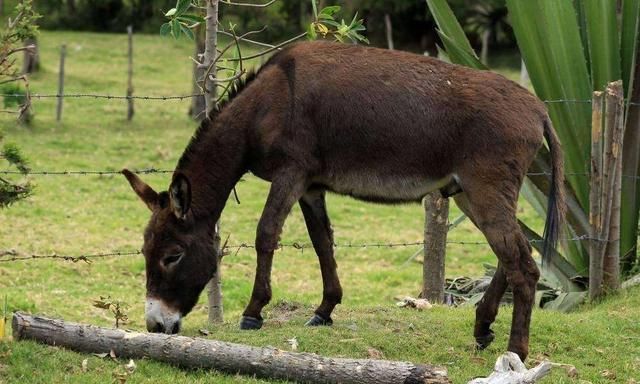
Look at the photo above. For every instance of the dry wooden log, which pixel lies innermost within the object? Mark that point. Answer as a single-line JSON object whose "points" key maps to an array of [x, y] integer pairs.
{"points": [[509, 369], [228, 357]]}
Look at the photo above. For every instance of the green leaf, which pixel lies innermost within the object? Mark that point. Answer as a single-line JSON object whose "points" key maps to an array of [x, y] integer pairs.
{"points": [[566, 301], [315, 9], [629, 40], [331, 23], [170, 12], [549, 39], [191, 18], [182, 6], [447, 23], [165, 29], [604, 43], [458, 55], [188, 32], [330, 11], [175, 28], [311, 32]]}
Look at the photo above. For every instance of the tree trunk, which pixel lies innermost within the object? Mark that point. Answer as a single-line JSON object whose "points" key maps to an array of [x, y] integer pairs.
{"points": [[31, 62], [524, 74], [210, 89], [389, 30], [198, 106], [269, 363], [484, 53], [435, 245]]}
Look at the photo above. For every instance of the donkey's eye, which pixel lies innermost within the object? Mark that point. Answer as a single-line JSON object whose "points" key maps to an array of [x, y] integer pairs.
{"points": [[172, 260]]}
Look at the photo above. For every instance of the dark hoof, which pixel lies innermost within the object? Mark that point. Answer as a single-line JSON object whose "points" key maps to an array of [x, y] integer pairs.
{"points": [[318, 320], [483, 342], [247, 323]]}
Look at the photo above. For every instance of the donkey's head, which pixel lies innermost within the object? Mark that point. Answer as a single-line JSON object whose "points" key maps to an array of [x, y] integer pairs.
{"points": [[178, 251]]}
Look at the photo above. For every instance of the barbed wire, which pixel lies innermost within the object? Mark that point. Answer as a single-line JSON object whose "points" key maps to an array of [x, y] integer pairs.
{"points": [[187, 96], [102, 96], [17, 256], [156, 170], [83, 172]]}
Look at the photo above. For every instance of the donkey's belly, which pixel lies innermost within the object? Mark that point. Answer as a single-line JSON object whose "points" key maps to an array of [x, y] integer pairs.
{"points": [[383, 188]]}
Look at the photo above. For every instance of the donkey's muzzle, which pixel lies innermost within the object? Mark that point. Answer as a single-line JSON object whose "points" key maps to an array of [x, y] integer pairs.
{"points": [[160, 318]]}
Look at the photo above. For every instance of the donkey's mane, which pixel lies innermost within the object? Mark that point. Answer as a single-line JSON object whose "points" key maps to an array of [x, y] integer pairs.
{"points": [[207, 123]]}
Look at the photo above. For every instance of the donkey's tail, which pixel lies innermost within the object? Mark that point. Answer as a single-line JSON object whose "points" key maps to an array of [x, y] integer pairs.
{"points": [[556, 200]]}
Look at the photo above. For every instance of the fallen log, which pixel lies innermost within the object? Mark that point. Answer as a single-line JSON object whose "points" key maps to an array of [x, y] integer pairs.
{"points": [[271, 363]]}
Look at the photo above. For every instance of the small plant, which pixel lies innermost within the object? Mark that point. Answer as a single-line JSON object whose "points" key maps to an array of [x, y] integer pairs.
{"points": [[118, 309], [324, 21], [11, 192]]}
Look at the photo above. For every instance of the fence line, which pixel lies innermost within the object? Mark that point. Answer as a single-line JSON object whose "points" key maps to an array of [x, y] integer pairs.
{"points": [[17, 256], [155, 170], [182, 97]]}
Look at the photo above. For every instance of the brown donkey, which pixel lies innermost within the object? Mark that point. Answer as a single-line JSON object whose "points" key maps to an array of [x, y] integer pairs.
{"points": [[378, 125]]}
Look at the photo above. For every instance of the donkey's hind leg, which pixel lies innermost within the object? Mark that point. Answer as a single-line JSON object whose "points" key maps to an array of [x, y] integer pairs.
{"points": [[319, 227], [493, 206], [487, 308]]}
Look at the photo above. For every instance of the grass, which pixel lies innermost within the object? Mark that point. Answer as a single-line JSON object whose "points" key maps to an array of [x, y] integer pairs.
{"points": [[88, 214]]}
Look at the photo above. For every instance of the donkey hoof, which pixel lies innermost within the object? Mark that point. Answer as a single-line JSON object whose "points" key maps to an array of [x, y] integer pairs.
{"points": [[483, 342], [248, 323], [318, 320]]}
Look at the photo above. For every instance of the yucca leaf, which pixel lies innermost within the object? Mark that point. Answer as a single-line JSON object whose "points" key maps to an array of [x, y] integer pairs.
{"points": [[458, 55], [604, 43], [631, 169], [548, 36], [629, 40], [449, 25]]}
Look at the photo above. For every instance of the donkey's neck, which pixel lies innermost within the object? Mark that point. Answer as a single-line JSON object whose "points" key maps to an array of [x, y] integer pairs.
{"points": [[214, 161]]}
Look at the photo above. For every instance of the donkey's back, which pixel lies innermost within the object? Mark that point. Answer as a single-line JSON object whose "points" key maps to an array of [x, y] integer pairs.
{"points": [[387, 125]]}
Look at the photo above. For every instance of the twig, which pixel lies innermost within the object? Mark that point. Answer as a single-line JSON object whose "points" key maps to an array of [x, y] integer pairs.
{"points": [[291, 40], [248, 4], [248, 40]]}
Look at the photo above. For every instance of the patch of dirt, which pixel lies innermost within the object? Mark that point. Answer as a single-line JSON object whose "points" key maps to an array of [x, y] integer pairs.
{"points": [[283, 310]]}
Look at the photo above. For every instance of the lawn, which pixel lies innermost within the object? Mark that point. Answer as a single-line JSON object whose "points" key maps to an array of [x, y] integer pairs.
{"points": [[77, 215]]}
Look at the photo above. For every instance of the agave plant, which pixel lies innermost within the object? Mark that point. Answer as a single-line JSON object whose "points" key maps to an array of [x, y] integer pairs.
{"points": [[572, 48]]}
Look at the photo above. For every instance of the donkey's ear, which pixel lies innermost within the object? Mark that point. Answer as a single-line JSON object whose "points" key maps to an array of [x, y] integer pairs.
{"points": [[145, 192], [180, 195]]}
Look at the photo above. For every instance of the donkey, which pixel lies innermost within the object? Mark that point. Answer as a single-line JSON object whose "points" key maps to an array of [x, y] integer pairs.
{"points": [[377, 125]]}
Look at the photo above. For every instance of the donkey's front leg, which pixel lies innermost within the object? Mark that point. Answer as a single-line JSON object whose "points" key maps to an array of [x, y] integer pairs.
{"points": [[285, 190]]}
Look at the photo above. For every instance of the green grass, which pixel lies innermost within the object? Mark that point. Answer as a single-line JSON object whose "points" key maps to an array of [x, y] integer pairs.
{"points": [[88, 214]]}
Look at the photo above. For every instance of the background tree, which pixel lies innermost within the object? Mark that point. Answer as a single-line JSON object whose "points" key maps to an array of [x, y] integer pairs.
{"points": [[488, 19]]}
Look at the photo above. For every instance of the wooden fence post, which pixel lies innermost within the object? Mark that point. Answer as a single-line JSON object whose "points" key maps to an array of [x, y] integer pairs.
{"points": [[614, 104], [606, 183], [63, 52], [435, 245], [130, 110], [595, 259]]}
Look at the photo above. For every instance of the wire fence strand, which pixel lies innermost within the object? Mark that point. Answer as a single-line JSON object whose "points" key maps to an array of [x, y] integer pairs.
{"points": [[188, 96], [152, 170], [12, 255]]}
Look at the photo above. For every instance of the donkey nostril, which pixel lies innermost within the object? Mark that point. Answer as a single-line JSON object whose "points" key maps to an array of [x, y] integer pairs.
{"points": [[158, 328], [176, 328]]}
